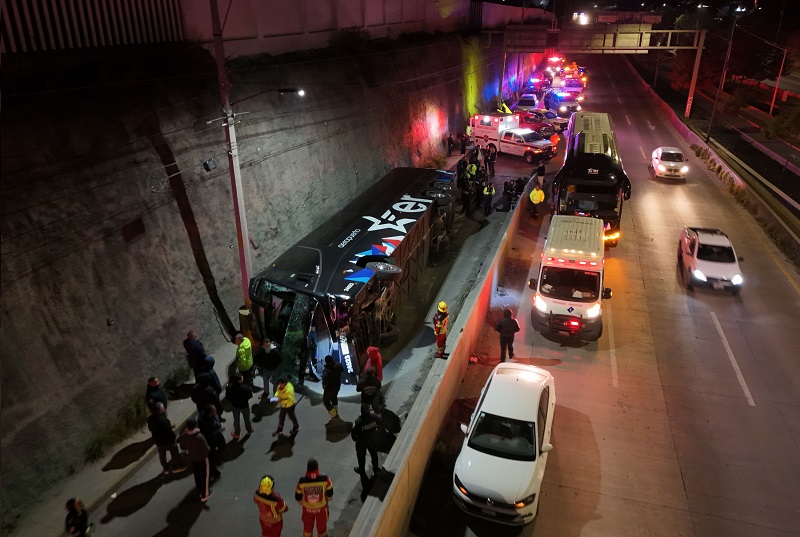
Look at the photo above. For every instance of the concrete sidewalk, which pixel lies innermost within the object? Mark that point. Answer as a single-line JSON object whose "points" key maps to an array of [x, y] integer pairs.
{"points": [[116, 488]]}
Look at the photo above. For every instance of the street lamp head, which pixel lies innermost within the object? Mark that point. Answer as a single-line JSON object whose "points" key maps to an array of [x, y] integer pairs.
{"points": [[297, 91]]}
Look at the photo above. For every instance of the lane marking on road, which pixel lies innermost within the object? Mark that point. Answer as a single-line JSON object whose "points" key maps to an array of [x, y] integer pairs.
{"points": [[732, 358], [628, 119], [619, 100], [642, 151], [612, 350]]}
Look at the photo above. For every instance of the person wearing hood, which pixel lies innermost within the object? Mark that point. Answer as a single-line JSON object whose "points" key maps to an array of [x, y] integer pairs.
{"points": [[314, 492], [331, 384], [194, 443], [270, 507], [244, 357], [154, 393], [507, 326], [375, 361]]}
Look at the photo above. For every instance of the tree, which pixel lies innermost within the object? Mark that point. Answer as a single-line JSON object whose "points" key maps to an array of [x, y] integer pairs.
{"points": [[785, 126]]}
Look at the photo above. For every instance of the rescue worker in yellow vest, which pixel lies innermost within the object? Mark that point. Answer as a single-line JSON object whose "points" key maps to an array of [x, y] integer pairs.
{"points": [[285, 399], [244, 358], [271, 508], [488, 194], [440, 328], [537, 197]]}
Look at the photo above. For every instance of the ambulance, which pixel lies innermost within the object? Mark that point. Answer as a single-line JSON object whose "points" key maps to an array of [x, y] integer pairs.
{"points": [[503, 132], [568, 293]]}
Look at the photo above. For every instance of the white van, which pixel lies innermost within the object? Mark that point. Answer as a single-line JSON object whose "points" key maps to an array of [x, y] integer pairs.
{"points": [[569, 290], [502, 131]]}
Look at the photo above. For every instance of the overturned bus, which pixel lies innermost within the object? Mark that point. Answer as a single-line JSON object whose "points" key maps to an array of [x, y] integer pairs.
{"points": [[348, 277]]}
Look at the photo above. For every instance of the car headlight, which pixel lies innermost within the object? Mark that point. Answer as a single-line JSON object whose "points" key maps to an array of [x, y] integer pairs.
{"points": [[580, 98], [737, 279], [699, 275], [594, 311], [579, 108], [460, 485], [685, 169], [540, 304], [562, 108], [661, 167], [527, 501]]}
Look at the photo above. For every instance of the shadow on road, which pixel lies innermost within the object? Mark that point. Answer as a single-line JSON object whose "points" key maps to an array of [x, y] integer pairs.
{"points": [[183, 516], [131, 500], [128, 455]]}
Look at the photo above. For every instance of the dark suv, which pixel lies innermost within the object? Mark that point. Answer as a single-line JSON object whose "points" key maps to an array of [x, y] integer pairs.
{"points": [[562, 102]]}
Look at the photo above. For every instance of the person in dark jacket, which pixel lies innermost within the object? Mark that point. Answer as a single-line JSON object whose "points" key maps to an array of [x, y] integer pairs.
{"points": [[451, 142], [203, 394], [366, 435], [77, 522], [211, 428], [370, 388], [331, 384], [507, 326], [239, 394], [154, 394], [464, 139], [268, 359], [199, 361], [164, 438], [194, 443], [491, 158]]}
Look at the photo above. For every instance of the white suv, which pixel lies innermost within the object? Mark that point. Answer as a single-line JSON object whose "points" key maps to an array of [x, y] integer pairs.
{"points": [[528, 101], [498, 473], [707, 258]]}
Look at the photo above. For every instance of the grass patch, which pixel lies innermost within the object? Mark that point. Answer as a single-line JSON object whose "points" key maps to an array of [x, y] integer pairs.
{"points": [[131, 416], [176, 379]]}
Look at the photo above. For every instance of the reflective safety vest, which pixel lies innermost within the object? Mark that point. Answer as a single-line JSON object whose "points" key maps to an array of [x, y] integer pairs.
{"points": [[440, 323], [488, 190]]}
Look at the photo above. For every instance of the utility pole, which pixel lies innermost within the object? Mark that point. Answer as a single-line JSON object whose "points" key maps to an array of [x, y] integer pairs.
{"points": [[242, 236], [721, 80], [693, 83], [778, 82]]}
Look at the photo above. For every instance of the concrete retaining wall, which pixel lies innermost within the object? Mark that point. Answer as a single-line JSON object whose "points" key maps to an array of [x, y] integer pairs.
{"points": [[412, 450]]}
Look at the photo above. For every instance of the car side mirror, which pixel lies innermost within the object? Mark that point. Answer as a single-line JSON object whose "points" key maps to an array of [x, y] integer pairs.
{"points": [[532, 283], [606, 293], [464, 428], [546, 448]]}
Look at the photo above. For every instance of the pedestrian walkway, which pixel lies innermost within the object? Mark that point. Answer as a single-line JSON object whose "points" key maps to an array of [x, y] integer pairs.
{"points": [[126, 493]]}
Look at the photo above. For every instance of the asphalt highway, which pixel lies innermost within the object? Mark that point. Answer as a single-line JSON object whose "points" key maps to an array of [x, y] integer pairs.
{"points": [[684, 418]]}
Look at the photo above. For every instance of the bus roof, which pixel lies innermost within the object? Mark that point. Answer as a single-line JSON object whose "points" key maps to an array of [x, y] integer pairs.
{"points": [[325, 262]]}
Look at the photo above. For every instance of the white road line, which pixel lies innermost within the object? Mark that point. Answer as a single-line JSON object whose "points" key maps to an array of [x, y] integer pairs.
{"points": [[628, 119], [732, 358], [612, 350], [619, 100], [642, 151]]}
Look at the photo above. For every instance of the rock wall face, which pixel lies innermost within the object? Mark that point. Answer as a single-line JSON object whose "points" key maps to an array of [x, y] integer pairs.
{"points": [[116, 240]]}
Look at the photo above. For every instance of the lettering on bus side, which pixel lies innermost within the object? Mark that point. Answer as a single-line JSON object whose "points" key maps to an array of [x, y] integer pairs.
{"points": [[407, 204], [350, 237]]}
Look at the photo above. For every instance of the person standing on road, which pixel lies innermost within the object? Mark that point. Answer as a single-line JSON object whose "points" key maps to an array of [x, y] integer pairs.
{"points": [[366, 435], [540, 171], [309, 354], [491, 158], [211, 428], [537, 197], [464, 138], [440, 320], [199, 361], [314, 492], [268, 360], [507, 326], [77, 522], [370, 389], [375, 361], [284, 396], [270, 508], [164, 438], [466, 196], [194, 443], [203, 394], [244, 357], [154, 393], [450, 144], [239, 394], [331, 384], [488, 194]]}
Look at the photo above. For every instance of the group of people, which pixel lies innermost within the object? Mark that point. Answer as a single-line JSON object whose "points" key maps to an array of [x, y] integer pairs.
{"points": [[473, 180], [203, 437]]}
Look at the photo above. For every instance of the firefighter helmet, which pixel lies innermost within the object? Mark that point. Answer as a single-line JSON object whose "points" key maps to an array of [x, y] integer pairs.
{"points": [[442, 306], [266, 485]]}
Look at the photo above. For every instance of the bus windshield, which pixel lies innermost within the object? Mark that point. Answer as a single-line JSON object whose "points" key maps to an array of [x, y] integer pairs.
{"points": [[570, 284]]}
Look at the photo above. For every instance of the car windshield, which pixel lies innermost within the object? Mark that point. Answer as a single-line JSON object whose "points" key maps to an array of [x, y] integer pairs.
{"points": [[717, 254], [504, 437], [531, 137], [587, 202], [526, 102], [671, 157], [570, 284]]}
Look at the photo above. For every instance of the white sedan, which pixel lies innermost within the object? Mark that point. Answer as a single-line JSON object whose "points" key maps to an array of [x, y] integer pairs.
{"points": [[669, 162], [498, 473], [707, 258]]}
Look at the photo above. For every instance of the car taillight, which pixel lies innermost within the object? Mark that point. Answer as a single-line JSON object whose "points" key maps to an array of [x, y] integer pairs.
{"points": [[574, 324]]}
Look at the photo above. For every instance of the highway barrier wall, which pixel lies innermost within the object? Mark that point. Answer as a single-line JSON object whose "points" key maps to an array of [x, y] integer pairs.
{"points": [[749, 188], [409, 457]]}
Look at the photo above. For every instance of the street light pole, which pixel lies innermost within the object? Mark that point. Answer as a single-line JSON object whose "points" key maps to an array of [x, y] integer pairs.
{"points": [[721, 81], [242, 236], [777, 82]]}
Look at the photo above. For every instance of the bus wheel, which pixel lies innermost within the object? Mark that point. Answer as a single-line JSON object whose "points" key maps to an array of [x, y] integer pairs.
{"points": [[391, 335], [386, 272], [529, 158]]}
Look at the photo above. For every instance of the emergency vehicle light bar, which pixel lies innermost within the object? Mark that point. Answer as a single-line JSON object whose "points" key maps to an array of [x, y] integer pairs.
{"points": [[562, 260]]}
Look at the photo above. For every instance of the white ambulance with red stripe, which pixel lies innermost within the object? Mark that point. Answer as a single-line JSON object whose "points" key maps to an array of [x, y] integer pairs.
{"points": [[503, 132]]}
